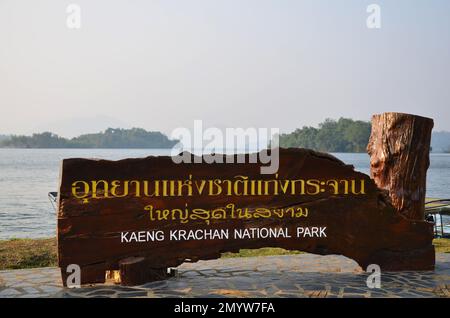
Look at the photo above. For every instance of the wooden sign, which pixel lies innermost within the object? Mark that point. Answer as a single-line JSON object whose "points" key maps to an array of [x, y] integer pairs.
{"points": [[142, 216]]}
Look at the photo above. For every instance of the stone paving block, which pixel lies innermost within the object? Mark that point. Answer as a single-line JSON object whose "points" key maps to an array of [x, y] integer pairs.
{"points": [[49, 289], [30, 290], [190, 273], [158, 284], [9, 292], [351, 295], [132, 294], [354, 290], [102, 292]]}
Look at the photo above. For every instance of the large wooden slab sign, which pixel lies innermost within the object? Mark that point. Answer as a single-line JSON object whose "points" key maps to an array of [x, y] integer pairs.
{"points": [[142, 216]]}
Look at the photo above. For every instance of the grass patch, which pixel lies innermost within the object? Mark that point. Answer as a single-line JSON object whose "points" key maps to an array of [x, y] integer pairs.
{"points": [[442, 245], [265, 251], [31, 253], [28, 253]]}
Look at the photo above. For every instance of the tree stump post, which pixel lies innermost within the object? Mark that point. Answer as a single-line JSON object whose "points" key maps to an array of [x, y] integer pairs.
{"points": [[399, 147]]}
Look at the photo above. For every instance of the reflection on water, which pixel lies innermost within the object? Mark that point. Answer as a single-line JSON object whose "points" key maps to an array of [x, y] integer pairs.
{"points": [[27, 175]]}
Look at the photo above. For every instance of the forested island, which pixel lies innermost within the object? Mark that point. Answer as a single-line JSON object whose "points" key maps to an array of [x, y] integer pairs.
{"points": [[346, 135], [343, 135], [110, 138]]}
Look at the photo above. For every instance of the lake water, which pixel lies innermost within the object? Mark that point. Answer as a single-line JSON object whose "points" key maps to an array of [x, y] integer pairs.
{"points": [[27, 175]]}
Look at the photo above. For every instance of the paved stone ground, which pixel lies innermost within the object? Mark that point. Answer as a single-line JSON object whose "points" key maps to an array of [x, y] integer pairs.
{"points": [[303, 275]]}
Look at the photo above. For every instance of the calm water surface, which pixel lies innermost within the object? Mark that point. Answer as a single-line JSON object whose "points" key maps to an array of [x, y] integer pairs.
{"points": [[27, 175]]}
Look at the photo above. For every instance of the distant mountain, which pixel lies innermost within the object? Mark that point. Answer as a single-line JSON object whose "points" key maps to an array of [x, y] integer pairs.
{"points": [[110, 138], [440, 141]]}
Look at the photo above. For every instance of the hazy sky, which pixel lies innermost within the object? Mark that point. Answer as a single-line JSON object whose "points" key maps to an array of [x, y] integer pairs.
{"points": [[232, 63]]}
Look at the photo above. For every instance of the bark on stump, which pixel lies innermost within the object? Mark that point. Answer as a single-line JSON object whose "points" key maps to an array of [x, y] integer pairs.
{"points": [[399, 147]]}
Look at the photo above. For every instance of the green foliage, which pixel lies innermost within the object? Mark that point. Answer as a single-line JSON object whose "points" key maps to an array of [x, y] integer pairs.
{"points": [[110, 138], [343, 135]]}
